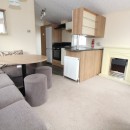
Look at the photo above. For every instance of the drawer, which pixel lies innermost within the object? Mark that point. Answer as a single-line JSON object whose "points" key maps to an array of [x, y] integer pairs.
{"points": [[88, 23], [89, 15], [88, 31]]}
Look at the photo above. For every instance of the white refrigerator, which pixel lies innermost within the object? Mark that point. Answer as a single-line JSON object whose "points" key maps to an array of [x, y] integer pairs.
{"points": [[49, 44]]}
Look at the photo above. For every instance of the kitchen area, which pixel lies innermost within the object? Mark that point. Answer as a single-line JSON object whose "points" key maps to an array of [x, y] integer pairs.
{"points": [[70, 46]]}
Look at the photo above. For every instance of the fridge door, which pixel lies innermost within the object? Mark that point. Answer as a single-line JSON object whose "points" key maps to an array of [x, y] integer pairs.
{"points": [[48, 37], [49, 55]]}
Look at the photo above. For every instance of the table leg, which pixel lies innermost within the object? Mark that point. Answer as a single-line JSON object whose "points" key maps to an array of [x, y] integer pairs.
{"points": [[24, 71], [24, 75]]}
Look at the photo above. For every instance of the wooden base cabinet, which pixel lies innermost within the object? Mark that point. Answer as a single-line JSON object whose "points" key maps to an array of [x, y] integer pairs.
{"points": [[90, 63]]}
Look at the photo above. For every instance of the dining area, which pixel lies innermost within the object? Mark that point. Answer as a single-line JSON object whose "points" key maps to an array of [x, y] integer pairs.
{"points": [[18, 66], [26, 73]]}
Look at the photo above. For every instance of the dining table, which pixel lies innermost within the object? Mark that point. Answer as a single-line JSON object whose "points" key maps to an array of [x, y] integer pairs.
{"points": [[22, 60]]}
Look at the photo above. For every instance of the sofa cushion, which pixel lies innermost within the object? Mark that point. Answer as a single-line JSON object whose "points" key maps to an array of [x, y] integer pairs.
{"points": [[12, 71], [9, 95], [5, 80], [1, 72], [20, 116], [18, 81], [15, 52], [16, 70]]}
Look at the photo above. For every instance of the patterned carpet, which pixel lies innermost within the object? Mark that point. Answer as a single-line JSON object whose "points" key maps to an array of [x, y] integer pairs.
{"points": [[96, 104]]}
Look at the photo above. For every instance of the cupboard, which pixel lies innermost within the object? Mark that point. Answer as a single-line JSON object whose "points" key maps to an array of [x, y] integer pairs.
{"points": [[90, 62], [85, 22]]}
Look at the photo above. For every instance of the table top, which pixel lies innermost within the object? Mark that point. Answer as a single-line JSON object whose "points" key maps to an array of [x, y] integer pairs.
{"points": [[22, 59]]}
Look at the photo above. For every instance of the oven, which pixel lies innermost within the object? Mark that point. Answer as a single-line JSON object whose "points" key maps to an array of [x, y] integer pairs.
{"points": [[57, 49], [57, 53]]}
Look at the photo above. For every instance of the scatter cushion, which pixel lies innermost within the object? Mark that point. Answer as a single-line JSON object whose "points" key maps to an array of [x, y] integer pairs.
{"points": [[16, 52], [20, 116], [6, 53], [9, 95], [5, 81]]}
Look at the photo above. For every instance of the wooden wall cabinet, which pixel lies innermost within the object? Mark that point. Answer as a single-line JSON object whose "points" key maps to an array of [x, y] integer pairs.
{"points": [[88, 23], [100, 26], [90, 63]]}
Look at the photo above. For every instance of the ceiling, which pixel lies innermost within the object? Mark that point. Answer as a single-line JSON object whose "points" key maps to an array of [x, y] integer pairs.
{"points": [[57, 10]]}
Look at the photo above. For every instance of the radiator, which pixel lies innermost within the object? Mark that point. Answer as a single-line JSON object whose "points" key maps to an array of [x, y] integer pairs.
{"points": [[71, 67]]}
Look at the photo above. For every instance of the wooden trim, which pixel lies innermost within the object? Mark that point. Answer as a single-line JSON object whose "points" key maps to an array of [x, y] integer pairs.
{"points": [[43, 40]]}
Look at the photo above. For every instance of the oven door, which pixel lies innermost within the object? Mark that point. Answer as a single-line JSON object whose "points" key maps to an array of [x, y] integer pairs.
{"points": [[57, 54]]}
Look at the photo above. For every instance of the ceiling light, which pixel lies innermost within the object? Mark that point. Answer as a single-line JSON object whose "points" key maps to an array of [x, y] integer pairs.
{"points": [[14, 2], [43, 13]]}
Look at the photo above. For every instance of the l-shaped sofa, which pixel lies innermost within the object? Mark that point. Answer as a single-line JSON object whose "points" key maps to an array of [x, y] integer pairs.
{"points": [[15, 112]]}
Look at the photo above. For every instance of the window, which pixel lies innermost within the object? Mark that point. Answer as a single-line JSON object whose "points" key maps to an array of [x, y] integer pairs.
{"points": [[2, 22], [79, 40]]}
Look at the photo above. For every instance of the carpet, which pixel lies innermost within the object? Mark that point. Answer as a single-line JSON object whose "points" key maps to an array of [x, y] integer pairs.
{"points": [[95, 104]]}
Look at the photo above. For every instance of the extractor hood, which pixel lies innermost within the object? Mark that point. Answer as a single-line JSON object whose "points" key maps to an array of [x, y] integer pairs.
{"points": [[61, 26]]}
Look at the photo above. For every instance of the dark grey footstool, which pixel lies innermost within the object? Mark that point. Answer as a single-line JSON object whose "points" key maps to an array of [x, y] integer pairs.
{"points": [[48, 72], [36, 89]]}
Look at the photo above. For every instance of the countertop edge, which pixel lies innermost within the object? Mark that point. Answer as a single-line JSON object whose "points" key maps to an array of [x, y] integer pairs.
{"points": [[78, 50]]}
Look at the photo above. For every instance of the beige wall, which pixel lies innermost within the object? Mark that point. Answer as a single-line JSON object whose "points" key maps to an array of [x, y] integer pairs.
{"points": [[38, 24], [117, 32], [18, 22]]}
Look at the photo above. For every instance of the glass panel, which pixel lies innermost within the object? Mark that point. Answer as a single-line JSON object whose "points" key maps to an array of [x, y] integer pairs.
{"points": [[79, 40], [2, 22]]}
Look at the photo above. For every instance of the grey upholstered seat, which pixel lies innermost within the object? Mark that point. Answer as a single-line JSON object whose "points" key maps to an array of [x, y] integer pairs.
{"points": [[12, 71], [47, 70], [36, 89], [20, 116], [5, 80], [1, 72], [9, 95], [15, 72]]}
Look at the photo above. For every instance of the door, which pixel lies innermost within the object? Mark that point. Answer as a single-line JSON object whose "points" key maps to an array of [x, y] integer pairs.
{"points": [[43, 40], [49, 44]]}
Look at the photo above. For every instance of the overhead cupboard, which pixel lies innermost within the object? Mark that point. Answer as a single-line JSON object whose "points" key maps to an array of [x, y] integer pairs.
{"points": [[85, 22]]}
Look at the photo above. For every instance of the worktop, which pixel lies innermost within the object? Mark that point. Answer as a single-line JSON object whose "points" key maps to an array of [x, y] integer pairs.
{"points": [[75, 49]]}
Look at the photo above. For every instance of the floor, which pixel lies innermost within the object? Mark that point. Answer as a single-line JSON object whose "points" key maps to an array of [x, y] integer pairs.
{"points": [[95, 104], [55, 69]]}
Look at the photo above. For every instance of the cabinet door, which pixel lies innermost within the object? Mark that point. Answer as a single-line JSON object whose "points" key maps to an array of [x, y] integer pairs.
{"points": [[89, 23], [88, 31], [100, 26], [89, 15], [83, 22], [63, 53]]}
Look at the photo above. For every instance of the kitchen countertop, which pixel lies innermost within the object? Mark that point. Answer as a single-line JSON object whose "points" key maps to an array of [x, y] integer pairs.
{"points": [[82, 48]]}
